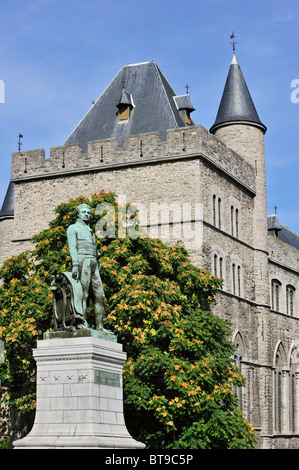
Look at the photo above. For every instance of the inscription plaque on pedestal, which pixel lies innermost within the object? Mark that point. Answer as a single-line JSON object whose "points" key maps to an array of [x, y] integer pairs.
{"points": [[107, 378]]}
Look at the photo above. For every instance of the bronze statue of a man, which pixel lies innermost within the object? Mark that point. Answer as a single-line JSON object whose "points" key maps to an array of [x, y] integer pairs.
{"points": [[84, 255]]}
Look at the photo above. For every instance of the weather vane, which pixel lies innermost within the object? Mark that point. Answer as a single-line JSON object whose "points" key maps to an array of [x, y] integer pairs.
{"points": [[20, 143], [232, 36]]}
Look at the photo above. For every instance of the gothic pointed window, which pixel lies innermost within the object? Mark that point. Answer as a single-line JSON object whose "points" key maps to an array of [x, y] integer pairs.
{"points": [[239, 357], [290, 297], [234, 277], [214, 209], [279, 400], [237, 276], [221, 267], [217, 207], [232, 219], [215, 264], [294, 384], [293, 402], [218, 264], [280, 385], [275, 294], [219, 212], [239, 280], [277, 297]]}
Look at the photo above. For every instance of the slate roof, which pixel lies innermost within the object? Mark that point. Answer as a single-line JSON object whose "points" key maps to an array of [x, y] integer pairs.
{"points": [[154, 108], [183, 102], [283, 233], [7, 208], [236, 104]]}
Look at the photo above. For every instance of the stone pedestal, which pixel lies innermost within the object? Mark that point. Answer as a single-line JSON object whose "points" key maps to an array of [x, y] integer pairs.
{"points": [[79, 396]]}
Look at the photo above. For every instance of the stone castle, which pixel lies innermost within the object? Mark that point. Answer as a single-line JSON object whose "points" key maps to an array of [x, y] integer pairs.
{"points": [[139, 141]]}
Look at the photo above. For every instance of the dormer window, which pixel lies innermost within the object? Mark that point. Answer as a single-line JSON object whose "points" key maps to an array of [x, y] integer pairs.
{"points": [[273, 225], [125, 106], [185, 108], [188, 118], [123, 112]]}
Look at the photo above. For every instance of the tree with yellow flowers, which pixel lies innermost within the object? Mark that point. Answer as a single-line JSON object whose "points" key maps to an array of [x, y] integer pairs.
{"points": [[179, 375]]}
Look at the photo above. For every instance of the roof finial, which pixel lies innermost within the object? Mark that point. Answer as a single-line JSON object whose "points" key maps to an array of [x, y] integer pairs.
{"points": [[187, 88], [232, 36], [20, 143], [275, 208]]}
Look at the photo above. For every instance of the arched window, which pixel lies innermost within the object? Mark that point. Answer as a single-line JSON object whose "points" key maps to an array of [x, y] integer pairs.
{"points": [[281, 386], [218, 263], [294, 390], [234, 277], [219, 212], [214, 209], [237, 276], [215, 265], [239, 280], [293, 402], [290, 298], [275, 294], [237, 223], [238, 360], [220, 267], [234, 217], [217, 207]]}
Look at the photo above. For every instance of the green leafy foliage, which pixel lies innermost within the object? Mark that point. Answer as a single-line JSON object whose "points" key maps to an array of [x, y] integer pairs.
{"points": [[179, 376]]}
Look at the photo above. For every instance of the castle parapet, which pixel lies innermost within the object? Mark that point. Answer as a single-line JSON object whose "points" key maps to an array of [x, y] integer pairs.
{"points": [[186, 142]]}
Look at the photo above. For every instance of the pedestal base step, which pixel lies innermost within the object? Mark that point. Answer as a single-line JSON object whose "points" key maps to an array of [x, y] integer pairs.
{"points": [[77, 442]]}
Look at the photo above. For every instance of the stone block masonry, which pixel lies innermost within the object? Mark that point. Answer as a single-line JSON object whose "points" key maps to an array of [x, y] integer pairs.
{"points": [[36, 200], [140, 149], [146, 170]]}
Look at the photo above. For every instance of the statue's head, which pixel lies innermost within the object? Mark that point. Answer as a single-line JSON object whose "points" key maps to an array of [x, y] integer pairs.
{"points": [[83, 212]]}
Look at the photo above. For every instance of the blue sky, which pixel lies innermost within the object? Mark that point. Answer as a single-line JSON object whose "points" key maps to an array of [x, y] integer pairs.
{"points": [[57, 56]]}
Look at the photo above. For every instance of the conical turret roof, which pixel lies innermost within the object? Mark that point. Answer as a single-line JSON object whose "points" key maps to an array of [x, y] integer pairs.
{"points": [[7, 208], [236, 104]]}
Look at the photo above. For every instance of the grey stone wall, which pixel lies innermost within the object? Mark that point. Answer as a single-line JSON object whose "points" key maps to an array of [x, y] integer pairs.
{"points": [[36, 200], [6, 236], [139, 149]]}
